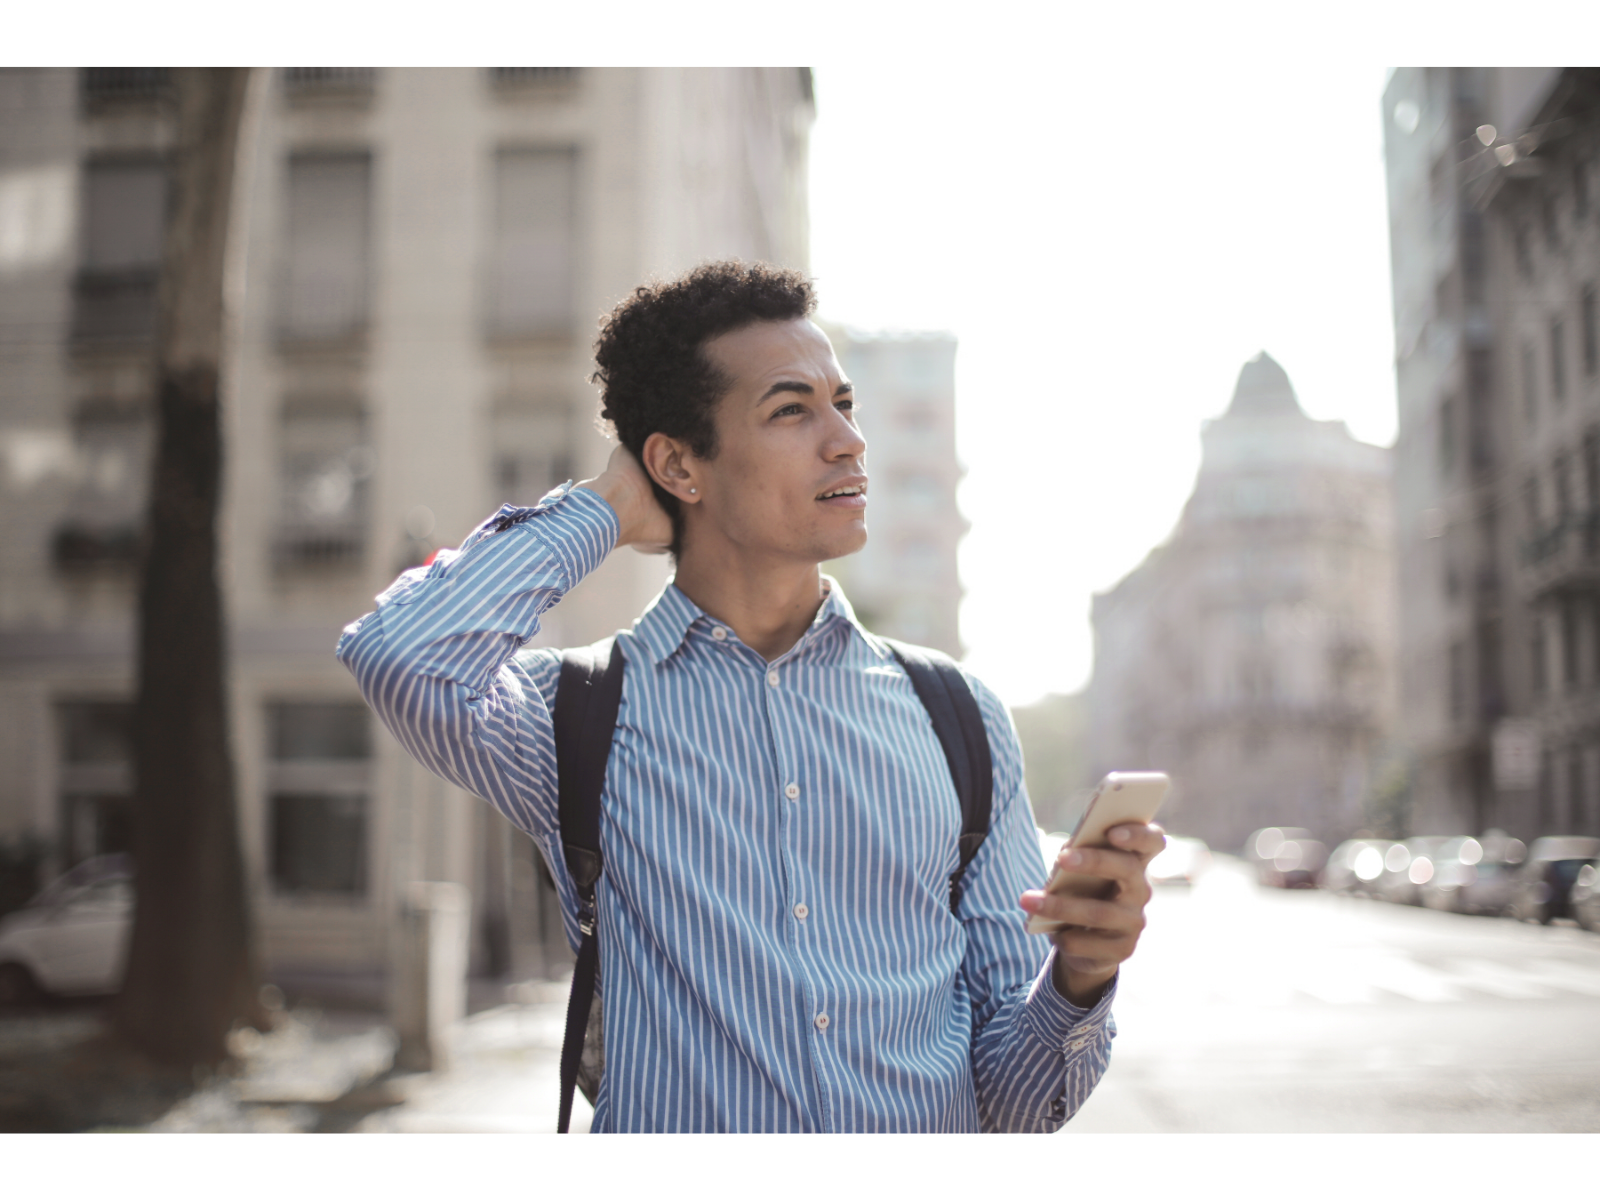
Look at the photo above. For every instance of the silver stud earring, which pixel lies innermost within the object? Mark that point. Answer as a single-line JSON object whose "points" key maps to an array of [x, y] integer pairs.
{"points": [[692, 492]]}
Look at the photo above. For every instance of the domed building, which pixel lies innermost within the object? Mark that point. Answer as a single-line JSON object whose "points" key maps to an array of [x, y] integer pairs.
{"points": [[1251, 655]]}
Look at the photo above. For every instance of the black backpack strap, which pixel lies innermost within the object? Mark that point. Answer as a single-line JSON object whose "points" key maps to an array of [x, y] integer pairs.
{"points": [[587, 698], [958, 722]]}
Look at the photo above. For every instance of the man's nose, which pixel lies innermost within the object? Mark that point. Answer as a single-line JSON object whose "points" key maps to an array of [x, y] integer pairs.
{"points": [[845, 440]]}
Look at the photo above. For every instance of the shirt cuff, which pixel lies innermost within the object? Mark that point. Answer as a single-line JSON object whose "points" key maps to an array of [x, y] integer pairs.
{"points": [[1057, 1021], [577, 525]]}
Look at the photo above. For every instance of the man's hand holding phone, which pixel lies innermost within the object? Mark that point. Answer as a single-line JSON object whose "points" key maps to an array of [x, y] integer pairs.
{"points": [[1093, 906]]}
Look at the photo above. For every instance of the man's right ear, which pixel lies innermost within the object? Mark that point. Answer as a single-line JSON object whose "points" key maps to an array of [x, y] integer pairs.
{"points": [[674, 469]]}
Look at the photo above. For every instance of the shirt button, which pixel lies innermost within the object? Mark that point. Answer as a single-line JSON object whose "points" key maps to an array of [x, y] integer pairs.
{"points": [[792, 791], [822, 1021], [772, 678], [801, 911], [718, 632]]}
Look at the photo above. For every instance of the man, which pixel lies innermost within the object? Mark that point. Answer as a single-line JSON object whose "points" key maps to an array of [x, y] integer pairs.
{"points": [[779, 824]]}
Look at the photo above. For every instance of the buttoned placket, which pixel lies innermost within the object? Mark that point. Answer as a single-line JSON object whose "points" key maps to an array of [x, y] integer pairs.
{"points": [[790, 775]]}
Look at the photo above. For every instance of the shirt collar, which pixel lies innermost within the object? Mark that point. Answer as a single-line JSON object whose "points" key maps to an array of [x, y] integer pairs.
{"points": [[665, 625]]}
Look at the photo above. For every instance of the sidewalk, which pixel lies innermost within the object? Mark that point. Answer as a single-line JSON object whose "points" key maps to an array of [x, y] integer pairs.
{"points": [[319, 1071]]}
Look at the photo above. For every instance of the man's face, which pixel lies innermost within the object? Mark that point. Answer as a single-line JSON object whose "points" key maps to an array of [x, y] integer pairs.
{"points": [[789, 479]]}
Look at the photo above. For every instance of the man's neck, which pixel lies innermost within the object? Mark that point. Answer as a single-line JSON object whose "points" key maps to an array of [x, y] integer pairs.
{"points": [[768, 606]]}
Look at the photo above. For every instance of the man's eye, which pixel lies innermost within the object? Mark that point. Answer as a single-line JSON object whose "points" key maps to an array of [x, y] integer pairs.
{"points": [[847, 405], [787, 409]]}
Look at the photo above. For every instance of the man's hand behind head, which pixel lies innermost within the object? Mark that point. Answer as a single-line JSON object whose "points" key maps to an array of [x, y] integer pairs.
{"points": [[624, 485]]}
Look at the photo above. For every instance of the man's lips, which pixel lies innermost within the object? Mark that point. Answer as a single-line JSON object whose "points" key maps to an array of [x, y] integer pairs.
{"points": [[847, 493]]}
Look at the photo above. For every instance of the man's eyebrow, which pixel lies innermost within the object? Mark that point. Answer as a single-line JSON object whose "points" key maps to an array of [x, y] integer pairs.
{"points": [[785, 385], [805, 389]]}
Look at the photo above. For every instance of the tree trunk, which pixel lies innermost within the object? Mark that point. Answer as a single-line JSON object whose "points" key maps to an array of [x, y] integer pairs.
{"points": [[191, 973]]}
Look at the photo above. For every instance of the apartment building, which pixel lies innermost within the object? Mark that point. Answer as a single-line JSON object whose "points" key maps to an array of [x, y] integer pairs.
{"points": [[1250, 656], [426, 253], [906, 583], [1495, 244]]}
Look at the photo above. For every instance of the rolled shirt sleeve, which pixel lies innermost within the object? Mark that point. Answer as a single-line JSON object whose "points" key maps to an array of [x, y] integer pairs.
{"points": [[1036, 1056]]}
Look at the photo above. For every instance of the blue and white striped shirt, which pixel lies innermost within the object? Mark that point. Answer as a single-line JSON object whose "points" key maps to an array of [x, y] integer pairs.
{"points": [[777, 947]]}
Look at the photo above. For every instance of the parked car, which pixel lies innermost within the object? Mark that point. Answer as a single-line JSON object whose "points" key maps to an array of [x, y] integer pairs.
{"points": [[1472, 875], [1183, 860], [1407, 866], [1286, 857], [1585, 898], [1354, 866], [1543, 887], [72, 938]]}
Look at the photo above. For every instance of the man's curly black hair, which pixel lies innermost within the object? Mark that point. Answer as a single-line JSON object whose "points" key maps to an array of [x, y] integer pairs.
{"points": [[653, 373]]}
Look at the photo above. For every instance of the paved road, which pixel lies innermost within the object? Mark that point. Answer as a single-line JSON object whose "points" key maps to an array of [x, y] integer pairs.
{"points": [[1256, 1010]]}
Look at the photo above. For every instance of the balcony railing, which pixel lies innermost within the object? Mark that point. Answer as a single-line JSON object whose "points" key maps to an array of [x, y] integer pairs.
{"points": [[118, 85], [78, 547], [535, 77], [318, 547], [337, 84], [1564, 556], [114, 307]]}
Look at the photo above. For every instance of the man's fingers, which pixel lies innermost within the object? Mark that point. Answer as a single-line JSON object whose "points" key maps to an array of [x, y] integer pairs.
{"points": [[1082, 911], [1147, 841]]}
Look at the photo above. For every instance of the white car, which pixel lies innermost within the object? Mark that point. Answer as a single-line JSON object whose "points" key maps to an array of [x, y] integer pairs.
{"points": [[1183, 860], [72, 938]]}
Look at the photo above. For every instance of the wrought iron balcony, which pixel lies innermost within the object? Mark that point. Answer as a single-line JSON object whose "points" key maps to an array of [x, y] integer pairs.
{"points": [[1563, 557], [103, 86]]}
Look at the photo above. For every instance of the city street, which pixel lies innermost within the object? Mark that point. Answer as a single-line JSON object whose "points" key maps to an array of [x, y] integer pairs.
{"points": [[1254, 1010]]}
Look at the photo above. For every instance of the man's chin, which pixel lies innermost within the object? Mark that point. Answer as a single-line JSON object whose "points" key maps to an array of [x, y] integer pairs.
{"points": [[842, 544]]}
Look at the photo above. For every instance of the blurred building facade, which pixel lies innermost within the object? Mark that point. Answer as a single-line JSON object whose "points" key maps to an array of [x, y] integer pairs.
{"points": [[906, 583], [1495, 248], [1251, 655], [426, 254]]}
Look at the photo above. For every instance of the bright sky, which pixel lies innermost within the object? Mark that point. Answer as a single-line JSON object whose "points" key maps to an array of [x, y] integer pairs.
{"points": [[1110, 245]]}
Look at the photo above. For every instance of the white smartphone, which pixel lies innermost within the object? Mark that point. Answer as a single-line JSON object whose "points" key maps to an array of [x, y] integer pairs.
{"points": [[1122, 796]]}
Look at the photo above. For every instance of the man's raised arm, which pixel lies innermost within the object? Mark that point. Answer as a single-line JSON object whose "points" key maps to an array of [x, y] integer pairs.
{"points": [[437, 659]]}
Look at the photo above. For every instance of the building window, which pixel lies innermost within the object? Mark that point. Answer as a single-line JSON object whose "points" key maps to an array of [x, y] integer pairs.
{"points": [[1590, 307], [1594, 645], [301, 82], [325, 473], [1490, 687], [325, 269], [1530, 385], [532, 260], [1447, 435], [320, 767], [921, 491], [1558, 360], [531, 453], [1591, 470], [1569, 645], [1480, 430], [1560, 473], [123, 228], [96, 779], [518, 77], [919, 558], [104, 86], [100, 527], [1458, 681], [1536, 657], [1577, 808], [1521, 251]]}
